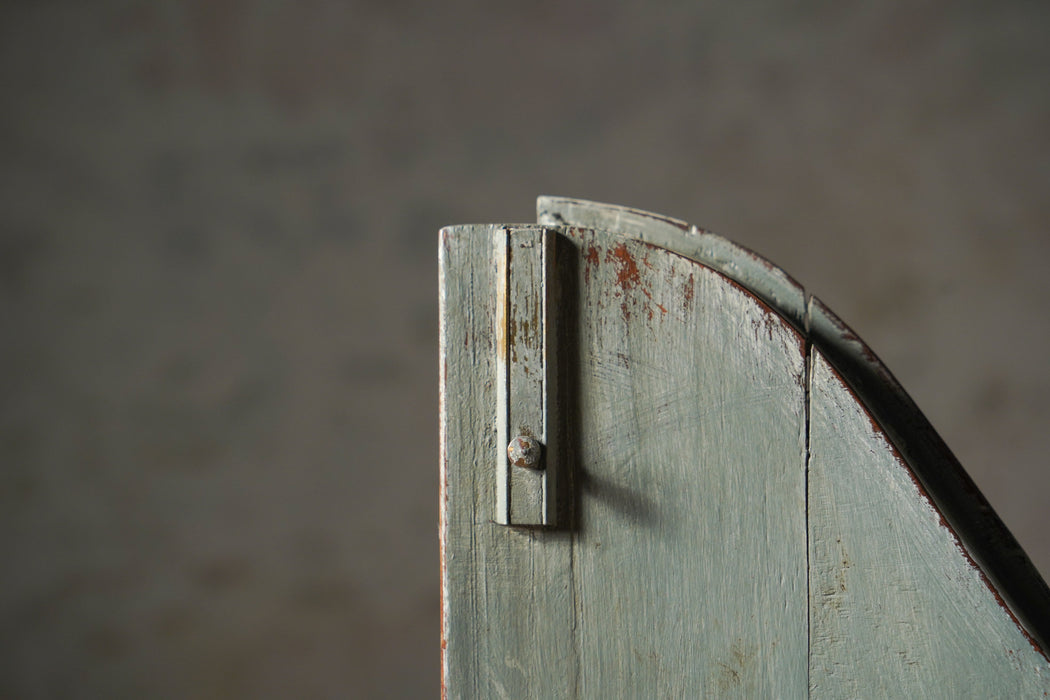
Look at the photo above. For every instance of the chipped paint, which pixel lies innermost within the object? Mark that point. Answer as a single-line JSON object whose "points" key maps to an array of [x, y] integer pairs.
{"points": [[625, 294], [591, 261], [627, 275]]}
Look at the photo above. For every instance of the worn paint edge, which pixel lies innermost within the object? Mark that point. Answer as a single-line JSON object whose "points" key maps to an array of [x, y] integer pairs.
{"points": [[956, 539], [443, 243], [756, 274], [1015, 581]]}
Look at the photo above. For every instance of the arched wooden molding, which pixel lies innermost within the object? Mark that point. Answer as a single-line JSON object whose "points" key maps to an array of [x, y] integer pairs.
{"points": [[753, 508]]}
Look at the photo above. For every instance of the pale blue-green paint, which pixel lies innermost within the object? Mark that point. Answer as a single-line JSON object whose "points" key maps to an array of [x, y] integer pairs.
{"points": [[689, 560], [692, 566], [682, 573], [506, 592], [992, 547], [526, 373], [898, 609]]}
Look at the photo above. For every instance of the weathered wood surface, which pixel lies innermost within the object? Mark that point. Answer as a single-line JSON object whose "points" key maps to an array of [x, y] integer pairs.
{"points": [[689, 562], [986, 538], [526, 373], [898, 608], [766, 281], [507, 614], [689, 554], [686, 553]]}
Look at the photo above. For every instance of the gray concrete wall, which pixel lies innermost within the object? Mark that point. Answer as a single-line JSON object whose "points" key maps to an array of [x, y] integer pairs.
{"points": [[218, 403]]}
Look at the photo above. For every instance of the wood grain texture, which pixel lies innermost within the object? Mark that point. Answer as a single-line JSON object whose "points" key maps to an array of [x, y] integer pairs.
{"points": [[683, 574], [507, 614], [898, 607], [983, 534], [738, 525], [951, 489], [689, 562]]}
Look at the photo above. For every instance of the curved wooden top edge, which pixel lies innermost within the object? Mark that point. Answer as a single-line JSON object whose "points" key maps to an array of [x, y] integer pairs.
{"points": [[980, 530], [759, 276]]}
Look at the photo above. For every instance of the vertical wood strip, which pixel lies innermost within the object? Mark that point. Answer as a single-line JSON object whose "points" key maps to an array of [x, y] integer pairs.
{"points": [[526, 367], [507, 613]]}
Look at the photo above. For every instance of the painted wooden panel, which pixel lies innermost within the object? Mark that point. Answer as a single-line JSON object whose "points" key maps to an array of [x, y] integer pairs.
{"points": [[734, 524], [689, 559], [507, 614], [898, 607], [681, 571], [992, 546]]}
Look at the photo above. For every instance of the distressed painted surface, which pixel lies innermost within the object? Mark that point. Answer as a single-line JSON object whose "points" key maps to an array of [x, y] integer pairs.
{"points": [[761, 278], [988, 541], [689, 562], [898, 607], [506, 594], [694, 438], [526, 369], [683, 571]]}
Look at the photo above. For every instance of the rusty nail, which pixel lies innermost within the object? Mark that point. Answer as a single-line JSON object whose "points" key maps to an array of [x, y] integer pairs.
{"points": [[524, 451]]}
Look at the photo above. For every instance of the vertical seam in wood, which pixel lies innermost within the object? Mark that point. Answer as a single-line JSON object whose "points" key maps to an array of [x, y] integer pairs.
{"points": [[807, 386], [477, 485], [575, 616], [442, 457]]}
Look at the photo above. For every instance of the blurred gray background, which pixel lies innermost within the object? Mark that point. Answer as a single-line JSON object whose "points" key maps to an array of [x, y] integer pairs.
{"points": [[218, 283]]}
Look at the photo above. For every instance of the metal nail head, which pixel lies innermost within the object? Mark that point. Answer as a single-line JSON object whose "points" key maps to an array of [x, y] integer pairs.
{"points": [[524, 451]]}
